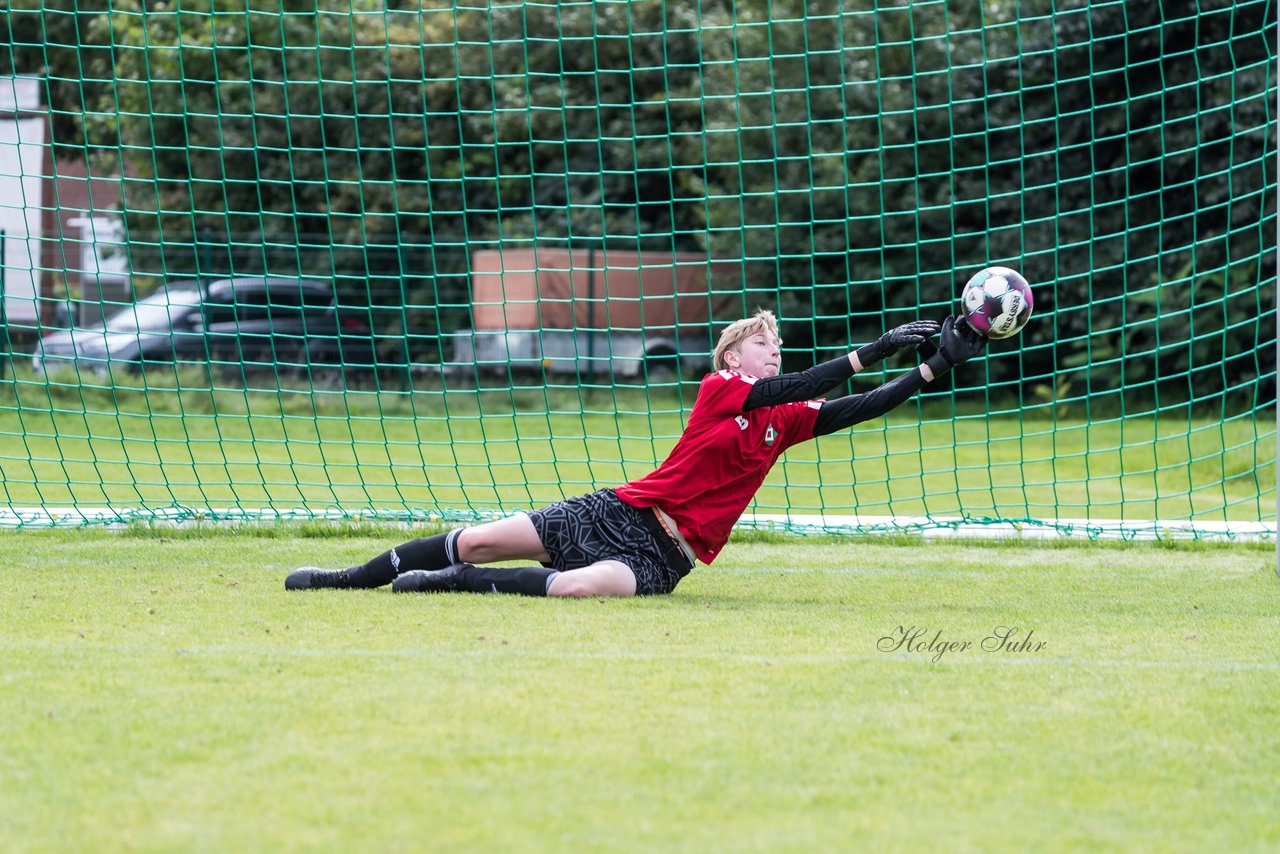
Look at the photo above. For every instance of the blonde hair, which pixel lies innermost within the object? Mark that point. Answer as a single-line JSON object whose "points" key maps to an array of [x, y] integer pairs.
{"points": [[740, 330]]}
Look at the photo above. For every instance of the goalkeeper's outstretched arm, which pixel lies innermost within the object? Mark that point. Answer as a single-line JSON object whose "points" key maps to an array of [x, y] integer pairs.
{"points": [[958, 343], [818, 380], [844, 412]]}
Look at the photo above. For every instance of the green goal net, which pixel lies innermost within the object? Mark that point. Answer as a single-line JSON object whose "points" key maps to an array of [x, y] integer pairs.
{"points": [[423, 260]]}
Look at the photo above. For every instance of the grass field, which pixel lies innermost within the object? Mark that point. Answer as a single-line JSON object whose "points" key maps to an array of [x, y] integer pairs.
{"points": [[163, 692], [502, 450]]}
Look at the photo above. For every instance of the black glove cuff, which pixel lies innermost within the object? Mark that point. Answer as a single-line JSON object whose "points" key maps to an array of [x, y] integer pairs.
{"points": [[939, 364], [869, 354]]}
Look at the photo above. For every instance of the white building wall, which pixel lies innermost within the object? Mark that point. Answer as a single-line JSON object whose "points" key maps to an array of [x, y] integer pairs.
{"points": [[22, 147]]}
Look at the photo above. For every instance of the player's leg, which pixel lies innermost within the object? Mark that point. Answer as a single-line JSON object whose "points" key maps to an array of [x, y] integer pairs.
{"points": [[435, 552], [507, 539], [604, 578], [602, 547], [514, 538]]}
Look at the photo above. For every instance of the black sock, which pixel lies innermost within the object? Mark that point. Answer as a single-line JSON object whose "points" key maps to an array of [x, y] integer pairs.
{"points": [[435, 552], [526, 580]]}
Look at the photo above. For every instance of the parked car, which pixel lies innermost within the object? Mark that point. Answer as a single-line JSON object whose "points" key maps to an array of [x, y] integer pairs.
{"points": [[244, 325]]}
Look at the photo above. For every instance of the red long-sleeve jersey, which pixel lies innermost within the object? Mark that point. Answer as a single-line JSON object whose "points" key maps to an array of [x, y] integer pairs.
{"points": [[721, 460]]}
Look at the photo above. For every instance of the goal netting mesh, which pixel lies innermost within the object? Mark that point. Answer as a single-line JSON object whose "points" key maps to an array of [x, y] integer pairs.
{"points": [[427, 260]]}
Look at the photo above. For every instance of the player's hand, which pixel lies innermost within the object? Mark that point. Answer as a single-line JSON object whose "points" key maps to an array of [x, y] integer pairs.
{"points": [[911, 334], [958, 342]]}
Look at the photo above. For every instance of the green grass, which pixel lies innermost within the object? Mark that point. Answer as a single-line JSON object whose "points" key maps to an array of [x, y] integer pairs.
{"points": [[162, 692], [500, 450]]}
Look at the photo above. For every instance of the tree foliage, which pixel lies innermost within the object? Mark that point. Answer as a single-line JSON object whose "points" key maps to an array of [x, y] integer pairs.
{"points": [[862, 162]]}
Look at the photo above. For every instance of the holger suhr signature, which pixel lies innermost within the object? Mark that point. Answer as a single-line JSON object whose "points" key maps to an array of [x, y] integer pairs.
{"points": [[920, 639]]}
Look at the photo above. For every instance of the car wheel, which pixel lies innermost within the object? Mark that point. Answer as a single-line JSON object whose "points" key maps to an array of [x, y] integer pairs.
{"points": [[662, 366]]}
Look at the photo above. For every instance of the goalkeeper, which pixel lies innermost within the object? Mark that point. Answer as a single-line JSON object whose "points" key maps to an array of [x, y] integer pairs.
{"points": [[644, 536]]}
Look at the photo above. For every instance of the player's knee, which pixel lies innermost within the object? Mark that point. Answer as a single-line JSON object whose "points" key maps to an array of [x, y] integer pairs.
{"points": [[611, 582], [572, 585], [474, 544]]}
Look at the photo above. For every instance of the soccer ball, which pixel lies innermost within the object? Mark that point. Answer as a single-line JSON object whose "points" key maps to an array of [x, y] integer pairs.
{"points": [[997, 301]]}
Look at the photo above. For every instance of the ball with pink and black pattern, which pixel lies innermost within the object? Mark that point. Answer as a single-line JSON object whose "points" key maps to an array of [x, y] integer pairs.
{"points": [[997, 301]]}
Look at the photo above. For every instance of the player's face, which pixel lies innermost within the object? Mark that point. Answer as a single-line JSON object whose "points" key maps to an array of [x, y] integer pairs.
{"points": [[760, 355]]}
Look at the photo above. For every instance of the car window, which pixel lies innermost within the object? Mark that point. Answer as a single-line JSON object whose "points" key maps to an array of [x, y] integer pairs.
{"points": [[163, 310], [283, 298], [279, 304], [315, 298], [219, 312], [251, 306]]}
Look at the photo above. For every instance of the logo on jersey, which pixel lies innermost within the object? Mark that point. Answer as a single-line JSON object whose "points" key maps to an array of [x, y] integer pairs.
{"points": [[770, 435], [742, 422]]}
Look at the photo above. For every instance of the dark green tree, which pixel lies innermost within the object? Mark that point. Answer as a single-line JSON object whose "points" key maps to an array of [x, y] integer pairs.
{"points": [[861, 162]]}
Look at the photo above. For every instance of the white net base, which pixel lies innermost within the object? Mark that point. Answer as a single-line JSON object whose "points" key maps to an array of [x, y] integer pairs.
{"points": [[929, 527]]}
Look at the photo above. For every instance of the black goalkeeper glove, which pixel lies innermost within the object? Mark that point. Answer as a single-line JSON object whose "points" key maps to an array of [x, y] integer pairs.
{"points": [[911, 334], [958, 343]]}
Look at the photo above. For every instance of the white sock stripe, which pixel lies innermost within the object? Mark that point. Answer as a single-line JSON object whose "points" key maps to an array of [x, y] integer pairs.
{"points": [[450, 549]]}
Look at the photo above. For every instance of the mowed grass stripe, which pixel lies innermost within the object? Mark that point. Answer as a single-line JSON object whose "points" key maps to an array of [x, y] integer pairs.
{"points": [[1001, 660]]}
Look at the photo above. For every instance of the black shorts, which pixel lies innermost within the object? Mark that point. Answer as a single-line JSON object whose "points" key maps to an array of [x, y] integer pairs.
{"points": [[578, 532]]}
